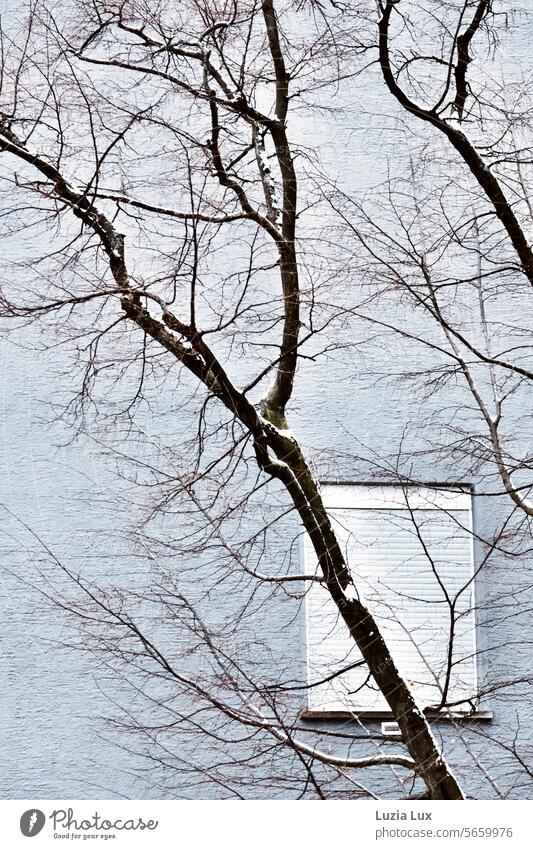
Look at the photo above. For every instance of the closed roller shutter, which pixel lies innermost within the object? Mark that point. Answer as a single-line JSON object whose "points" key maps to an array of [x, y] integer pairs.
{"points": [[407, 562]]}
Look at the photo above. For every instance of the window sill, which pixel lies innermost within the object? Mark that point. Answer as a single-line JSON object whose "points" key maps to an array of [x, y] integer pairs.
{"points": [[435, 716]]}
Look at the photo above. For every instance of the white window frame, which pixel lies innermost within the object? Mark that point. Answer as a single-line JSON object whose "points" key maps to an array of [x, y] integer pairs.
{"points": [[348, 496]]}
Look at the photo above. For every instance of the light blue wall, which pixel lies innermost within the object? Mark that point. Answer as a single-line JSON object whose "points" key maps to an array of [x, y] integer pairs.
{"points": [[52, 739]]}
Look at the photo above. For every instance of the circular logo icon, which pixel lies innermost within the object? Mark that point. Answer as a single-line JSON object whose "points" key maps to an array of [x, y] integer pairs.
{"points": [[32, 822]]}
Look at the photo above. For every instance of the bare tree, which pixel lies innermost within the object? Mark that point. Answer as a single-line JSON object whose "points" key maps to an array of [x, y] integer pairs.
{"points": [[165, 152]]}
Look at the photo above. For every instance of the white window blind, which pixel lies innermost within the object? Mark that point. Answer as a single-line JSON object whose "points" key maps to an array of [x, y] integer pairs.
{"points": [[407, 550]]}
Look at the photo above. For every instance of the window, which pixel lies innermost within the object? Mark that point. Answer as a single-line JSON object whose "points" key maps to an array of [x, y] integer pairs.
{"points": [[410, 553]]}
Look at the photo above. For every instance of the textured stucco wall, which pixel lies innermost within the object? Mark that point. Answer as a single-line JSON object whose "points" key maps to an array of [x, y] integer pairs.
{"points": [[52, 741]]}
